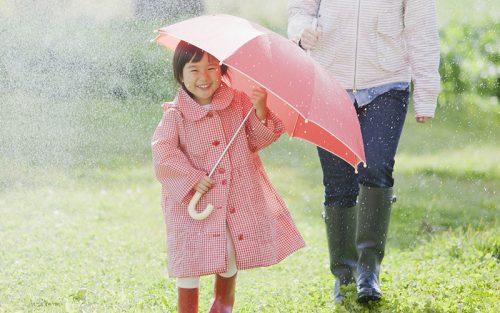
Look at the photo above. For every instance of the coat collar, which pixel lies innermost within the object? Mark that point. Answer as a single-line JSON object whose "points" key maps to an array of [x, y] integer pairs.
{"points": [[191, 110]]}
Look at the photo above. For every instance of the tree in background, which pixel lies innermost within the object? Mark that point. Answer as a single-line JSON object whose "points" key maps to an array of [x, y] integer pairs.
{"points": [[167, 9]]}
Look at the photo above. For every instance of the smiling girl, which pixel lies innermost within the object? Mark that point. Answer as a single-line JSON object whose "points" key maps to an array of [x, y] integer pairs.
{"points": [[250, 225]]}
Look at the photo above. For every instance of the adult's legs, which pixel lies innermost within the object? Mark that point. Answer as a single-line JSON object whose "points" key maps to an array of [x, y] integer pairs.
{"points": [[341, 189], [373, 224], [381, 124]]}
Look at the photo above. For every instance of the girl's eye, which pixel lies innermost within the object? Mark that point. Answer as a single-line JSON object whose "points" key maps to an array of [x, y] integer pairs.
{"points": [[212, 69], [194, 71]]}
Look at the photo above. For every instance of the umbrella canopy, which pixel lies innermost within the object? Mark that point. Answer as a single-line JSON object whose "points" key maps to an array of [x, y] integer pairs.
{"points": [[311, 103]]}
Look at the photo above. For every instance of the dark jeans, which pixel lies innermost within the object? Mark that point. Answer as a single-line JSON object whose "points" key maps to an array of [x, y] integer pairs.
{"points": [[381, 124]]}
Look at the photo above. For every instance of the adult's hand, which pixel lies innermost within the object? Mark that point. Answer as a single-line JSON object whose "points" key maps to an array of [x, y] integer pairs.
{"points": [[422, 119], [309, 38]]}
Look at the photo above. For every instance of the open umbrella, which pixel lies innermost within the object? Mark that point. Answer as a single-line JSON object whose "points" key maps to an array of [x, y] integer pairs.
{"points": [[311, 103]]}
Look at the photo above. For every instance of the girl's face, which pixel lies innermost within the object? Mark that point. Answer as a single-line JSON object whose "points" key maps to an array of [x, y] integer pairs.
{"points": [[202, 78]]}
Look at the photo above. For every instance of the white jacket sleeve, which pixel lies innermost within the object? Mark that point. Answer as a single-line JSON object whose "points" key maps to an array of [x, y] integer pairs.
{"points": [[300, 16], [422, 38]]}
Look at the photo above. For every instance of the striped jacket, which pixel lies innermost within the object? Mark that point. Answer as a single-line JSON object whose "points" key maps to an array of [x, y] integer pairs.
{"points": [[371, 43]]}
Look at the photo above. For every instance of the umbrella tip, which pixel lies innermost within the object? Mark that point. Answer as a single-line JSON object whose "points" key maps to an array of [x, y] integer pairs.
{"points": [[154, 39]]}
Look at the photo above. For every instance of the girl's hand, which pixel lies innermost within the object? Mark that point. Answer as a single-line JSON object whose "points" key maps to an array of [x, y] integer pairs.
{"points": [[259, 101], [204, 185], [422, 119]]}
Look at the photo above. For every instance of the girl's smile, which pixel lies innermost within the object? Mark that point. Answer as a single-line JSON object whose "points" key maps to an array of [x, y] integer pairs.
{"points": [[202, 79]]}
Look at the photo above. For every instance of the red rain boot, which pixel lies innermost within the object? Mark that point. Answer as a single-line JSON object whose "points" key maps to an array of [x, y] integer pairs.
{"points": [[224, 294], [187, 300]]}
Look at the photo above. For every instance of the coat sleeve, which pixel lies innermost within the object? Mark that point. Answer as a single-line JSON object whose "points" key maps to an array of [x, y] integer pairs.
{"points": [[172, 168], [260, 135], [422, 38], [300, 16]]}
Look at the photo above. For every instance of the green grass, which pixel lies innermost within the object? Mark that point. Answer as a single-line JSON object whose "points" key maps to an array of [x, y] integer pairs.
{"points": [[91, 238]]}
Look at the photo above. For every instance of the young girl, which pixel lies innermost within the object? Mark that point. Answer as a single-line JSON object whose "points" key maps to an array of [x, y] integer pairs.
{"points": [[250, 225]]}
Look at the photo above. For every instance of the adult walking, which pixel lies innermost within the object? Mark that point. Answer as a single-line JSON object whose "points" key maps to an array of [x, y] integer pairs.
{"points": [[375, 49]]}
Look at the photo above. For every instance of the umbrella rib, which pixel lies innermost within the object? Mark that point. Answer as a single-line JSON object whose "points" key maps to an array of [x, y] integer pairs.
{"points": [[295, 125], [298, 112]]}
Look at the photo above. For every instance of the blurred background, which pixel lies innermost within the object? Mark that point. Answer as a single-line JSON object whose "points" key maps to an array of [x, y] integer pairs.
{"points": [[80, 82]]}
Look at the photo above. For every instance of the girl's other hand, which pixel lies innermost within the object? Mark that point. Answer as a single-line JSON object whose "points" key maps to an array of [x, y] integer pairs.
{"points": [[204, 185], [259, 101]]}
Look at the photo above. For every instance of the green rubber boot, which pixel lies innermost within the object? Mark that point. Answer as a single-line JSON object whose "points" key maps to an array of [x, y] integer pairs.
{"points": [[341, 235], [373, 223]]}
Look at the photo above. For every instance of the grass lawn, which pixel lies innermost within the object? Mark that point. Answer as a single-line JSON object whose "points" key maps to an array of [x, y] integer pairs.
{"points": [[91, 239]]}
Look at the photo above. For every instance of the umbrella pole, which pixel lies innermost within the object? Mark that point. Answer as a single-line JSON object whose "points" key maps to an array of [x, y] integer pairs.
{"points": [[192, 204], [230, 142]]}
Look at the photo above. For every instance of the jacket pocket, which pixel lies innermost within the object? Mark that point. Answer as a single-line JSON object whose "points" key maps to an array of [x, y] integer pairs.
{"points": [[391, 48]]}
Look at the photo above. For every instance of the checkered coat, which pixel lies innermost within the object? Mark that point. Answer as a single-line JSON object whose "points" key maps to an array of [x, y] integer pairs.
{"points": [[186, 144]]}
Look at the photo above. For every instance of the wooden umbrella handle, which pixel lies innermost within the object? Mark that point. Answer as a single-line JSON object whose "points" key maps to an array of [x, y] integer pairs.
{"points": [[192, 208]]}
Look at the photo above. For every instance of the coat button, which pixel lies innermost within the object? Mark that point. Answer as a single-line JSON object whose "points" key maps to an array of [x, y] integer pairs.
{"points": [[232, 210], [223, 182], [221, 170], [240, 237], [215, 142], [210, 114]]}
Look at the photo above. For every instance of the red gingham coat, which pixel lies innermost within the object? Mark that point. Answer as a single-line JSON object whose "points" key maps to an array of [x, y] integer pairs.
{"points": [[186, 145]]}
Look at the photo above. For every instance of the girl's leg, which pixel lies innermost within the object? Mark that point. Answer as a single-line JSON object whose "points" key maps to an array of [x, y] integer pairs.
{"points": [[224, 290], [225, 283], [187, 294]]}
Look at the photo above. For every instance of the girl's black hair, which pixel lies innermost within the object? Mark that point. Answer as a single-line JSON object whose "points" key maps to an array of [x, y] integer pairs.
{"points": [[185, 53]]}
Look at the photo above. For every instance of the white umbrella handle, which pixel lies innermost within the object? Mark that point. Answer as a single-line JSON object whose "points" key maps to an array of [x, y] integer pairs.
{"points": [[192, 204], [192, 208]]}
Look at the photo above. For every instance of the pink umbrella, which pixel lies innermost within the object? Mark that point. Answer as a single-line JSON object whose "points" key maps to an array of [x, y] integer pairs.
{"points": [[309, 100]]}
